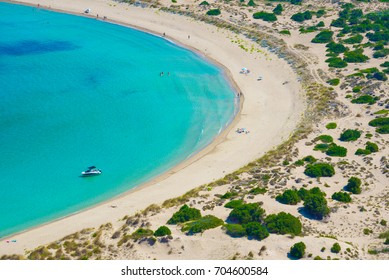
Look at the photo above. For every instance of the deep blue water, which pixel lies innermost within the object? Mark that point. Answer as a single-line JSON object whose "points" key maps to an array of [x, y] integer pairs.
{"points": [[76, 92]]}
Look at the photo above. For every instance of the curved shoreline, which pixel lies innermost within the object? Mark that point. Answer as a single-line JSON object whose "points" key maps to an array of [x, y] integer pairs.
{"points": [[210, 163]]}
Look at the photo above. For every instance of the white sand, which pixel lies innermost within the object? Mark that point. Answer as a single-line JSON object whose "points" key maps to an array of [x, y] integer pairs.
{"points": [[270, 112]]}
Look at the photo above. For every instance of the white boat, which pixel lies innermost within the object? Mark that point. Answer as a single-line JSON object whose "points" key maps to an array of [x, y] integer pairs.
{"points": [[91, 171]]}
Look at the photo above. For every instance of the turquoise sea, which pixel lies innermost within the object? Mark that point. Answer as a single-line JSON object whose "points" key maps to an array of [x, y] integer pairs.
{"points": [[76, 92]]}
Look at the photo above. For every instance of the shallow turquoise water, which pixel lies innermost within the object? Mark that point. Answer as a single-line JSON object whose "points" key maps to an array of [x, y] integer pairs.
{"points": [[76, 92]]}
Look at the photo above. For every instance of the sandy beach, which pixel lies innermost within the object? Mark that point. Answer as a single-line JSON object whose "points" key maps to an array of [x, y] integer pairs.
{"points": [[270, 111]]}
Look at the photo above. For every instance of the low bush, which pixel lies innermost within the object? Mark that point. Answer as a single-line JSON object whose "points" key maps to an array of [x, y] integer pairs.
{"points": [[184, 214], [309, 159], [335, 248], [333, 82], [336, 151], [316, 205], [285, 32], [350, 135], [258, 190], [323, 37], [319, 170], [162, 231], [354, 185], [325, 138], [290, 197], [364, 152], [202, 224], [300, 17], [204, 3], [383, 129], [278, 9], [235, 230], [321, 147], [297, 251], [379, 122], [342, 197], [214, 12], [355, 56], [381, 53], [357, 39], [372, 147], [336, 62], [364, 99], [234, 203], [336, 48], [141, 233], [251, 3], [229, 195], [256, 230], [250, 212], [283, 223], [331, 125], [265, 16]]}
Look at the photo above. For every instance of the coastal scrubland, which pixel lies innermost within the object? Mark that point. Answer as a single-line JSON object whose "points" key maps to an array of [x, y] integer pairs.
{"points": [[323, 193]]}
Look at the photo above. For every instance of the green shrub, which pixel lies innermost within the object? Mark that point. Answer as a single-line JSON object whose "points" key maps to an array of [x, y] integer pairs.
{"points": [[202, 224], [258, 190], [385, 64], [162, 231], [380, 76], [290, 197], [364, 99], [184, 214], [362, 152], [229, 195], [316, 205], [250, 212], [303, 193], [324, 36], [320, 13], [283, 223], [300, 17], [336, 48], [309, 159], [357, 88], [333, 82], [141, 233], [379, 122], [372, 147], [355, 56], [256, 231], [204, 3], [325, 138], [321, 147], [319, 170], [234, 203], [251, 3], [335, 248], [354, 185], [383, 129], [381, 53], [354, 40], [336, 62], [265, 16], [235, 230], [331, 125], [214, 12], [350, 135], [299, 162], [342, 197], [297, 251], [285, 32], [336, 151], [278, 9]]}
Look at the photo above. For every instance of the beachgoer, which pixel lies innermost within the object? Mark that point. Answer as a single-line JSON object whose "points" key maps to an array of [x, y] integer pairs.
{"points": [[164, 34]]}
